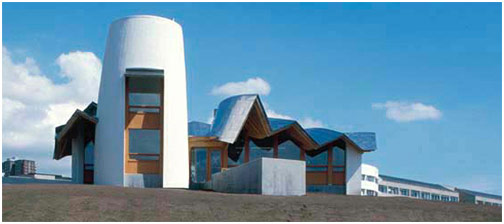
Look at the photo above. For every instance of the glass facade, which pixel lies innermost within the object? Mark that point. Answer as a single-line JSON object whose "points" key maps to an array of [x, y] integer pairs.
{"points": [[257, 152], [289, 150], [320, 161], [198, 165], [144, 144], [215, 161]]}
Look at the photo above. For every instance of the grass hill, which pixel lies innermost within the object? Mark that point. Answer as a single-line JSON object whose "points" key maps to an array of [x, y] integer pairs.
{"points": [[105, 203]]}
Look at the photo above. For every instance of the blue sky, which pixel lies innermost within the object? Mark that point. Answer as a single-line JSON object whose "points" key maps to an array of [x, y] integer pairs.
{"points": [[437, 64]]}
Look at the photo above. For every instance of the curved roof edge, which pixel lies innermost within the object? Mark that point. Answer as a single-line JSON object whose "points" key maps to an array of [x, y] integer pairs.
{"points": [[233, 113]]}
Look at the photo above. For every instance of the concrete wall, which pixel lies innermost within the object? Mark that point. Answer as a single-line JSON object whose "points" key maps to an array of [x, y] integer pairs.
{"points": [[143, 180], [353, 171], [142, 42], [265, 176]]}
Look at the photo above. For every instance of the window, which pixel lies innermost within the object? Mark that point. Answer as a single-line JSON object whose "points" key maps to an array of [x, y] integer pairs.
{"points": [[415, 194], [363, 192], [445, 198], [426, 196], [144, 94], [404, 192], [382, 188], [453, 199], [363, 177], [257, 152], [198, 165], [289, 150], [370, 178], [435, 197], [371, 193], [338, 157], [317, 163], [215, 161], [144, 144], [393, 190]]}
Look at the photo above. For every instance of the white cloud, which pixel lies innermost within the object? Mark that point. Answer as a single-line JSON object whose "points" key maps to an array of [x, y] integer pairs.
{"points": [[309, 122], [406, 112], [33, 104], [251, 86], [271, 113], [306, 122]]}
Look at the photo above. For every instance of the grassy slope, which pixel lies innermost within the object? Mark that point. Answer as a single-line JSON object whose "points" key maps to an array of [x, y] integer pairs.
{"points": [[104, 203]]}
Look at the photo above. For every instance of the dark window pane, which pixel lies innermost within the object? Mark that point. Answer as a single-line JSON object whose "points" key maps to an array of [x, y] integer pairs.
{"points": [[144, 141], [240, 159], [198, 165], [338, 156], [338, 169], [289, 150], [258, 152], [144, 99], [215, 157], [143, 110], [324, 169], [320, 159], [144, 84], [142, 157]]}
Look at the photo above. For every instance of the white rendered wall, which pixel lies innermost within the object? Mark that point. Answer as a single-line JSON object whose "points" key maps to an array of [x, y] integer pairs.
{"points": [[142, 42], [353, 171], [369, 170]]}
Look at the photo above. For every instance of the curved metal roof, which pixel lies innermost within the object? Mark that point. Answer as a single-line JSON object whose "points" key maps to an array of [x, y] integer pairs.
{"points": [[234, 113]]}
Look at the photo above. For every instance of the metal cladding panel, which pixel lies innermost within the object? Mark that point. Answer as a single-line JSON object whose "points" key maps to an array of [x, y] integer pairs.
{"points": [[365, 140], [323, 135], [147, 42], [277, 124], [199, 129], [231, 116]]}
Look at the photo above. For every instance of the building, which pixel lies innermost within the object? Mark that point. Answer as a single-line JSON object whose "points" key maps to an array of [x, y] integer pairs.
{"points": [[242, 131], [394, 186], [479, 198], [370, 179], [139, 135], [389, 186], [13, 167]]}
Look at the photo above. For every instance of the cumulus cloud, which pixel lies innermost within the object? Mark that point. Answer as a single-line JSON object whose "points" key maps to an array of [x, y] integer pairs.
{"points": [[306, 122], [309, 122], [250, 86], [406, 112], [33, 104]]}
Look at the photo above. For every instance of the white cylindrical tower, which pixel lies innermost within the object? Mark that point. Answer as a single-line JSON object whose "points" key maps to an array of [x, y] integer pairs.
{"points": [[144, 56], [370, 180]]}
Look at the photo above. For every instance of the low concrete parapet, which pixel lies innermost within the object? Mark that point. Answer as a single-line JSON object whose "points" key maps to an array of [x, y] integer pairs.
{"points": [[267, 176]]}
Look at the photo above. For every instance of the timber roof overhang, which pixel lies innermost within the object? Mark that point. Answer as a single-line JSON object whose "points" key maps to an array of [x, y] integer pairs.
{"points": [[245, 113], [81, 122]]}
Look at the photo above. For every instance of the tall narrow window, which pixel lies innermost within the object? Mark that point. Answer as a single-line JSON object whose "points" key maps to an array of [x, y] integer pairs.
{"points": [[144, 118]]}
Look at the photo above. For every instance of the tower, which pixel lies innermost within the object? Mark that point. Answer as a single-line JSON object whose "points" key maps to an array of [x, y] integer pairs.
{"points": [[141, 135]]}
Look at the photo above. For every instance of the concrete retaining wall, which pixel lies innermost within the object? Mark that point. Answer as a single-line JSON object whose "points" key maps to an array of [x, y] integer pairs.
{"points": [[265, 176]]}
